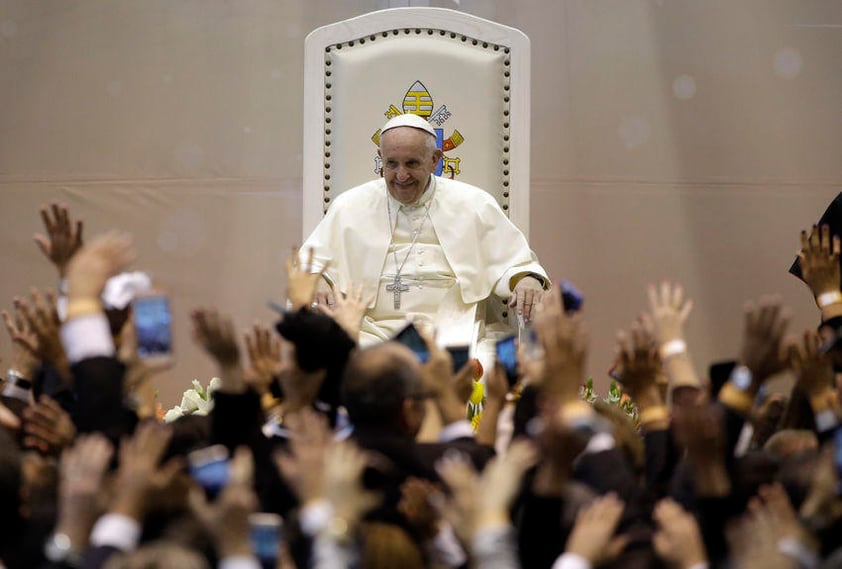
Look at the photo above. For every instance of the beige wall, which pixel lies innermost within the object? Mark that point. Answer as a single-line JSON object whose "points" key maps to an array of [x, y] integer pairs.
{"points": [[670, 139]]}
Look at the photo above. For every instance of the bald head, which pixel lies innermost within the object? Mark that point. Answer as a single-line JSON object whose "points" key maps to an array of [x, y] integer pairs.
{"points": [[377, 382]]}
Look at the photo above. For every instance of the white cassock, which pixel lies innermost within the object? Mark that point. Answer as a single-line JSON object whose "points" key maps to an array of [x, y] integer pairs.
{"points": [[465, 250]]}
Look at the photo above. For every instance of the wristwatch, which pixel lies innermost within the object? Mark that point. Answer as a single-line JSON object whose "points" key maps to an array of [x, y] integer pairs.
{"points": [[741, 378], [59, 549]]}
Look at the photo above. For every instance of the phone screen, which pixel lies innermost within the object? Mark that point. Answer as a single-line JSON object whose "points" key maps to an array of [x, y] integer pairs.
{"points": [[265, 536], [459, 355], [410, 338], [209, 468], [507, 354], [153, 324]]}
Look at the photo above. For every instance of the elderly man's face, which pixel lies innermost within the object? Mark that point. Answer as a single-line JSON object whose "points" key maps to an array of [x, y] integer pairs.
{"points": [[408, 162]]}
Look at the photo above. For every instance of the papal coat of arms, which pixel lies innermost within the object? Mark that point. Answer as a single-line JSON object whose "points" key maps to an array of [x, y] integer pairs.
{"points": [[419, 101]]}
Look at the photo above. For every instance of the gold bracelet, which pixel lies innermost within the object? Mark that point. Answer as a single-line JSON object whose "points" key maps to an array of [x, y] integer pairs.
{"points": [[82, 307], [827, 399], [653, 414], [736, 399]]}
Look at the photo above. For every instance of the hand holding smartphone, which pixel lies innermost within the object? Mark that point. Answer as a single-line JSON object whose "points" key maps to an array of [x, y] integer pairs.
{"points": [[411, 338], [153, 326], [507, 356]]}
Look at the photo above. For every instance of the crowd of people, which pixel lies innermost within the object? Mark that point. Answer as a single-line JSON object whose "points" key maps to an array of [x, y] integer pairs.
{"points": [[324, 435]]}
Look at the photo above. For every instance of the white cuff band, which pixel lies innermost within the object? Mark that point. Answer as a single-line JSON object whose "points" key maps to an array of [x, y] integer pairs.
{"points": [[673, 348], [828, 298]]}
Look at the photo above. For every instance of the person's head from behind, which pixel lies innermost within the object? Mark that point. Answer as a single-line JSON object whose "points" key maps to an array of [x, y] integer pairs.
{"points": [[409, 154], [790, 442], [385, 546], [158, 555], [382, 387]]}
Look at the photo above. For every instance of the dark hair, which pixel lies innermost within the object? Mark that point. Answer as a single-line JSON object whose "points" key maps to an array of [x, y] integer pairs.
{"points": [[377, 381]]}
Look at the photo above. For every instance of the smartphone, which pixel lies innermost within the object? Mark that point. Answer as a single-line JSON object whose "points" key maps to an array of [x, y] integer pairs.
{"points": [[459, 355], [153, 326], [571, 298], [507, 355], [265, 537], [209, 468], [410, 338]]}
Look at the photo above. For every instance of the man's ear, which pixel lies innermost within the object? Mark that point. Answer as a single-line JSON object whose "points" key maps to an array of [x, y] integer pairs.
{"points": [[437, 156]]}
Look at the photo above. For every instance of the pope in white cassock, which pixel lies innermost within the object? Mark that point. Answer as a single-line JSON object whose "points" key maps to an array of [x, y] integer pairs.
{"points": [[427, 249]]}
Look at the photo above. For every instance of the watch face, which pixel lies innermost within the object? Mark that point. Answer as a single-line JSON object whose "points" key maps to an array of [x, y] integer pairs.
{"points": [[741, 378]]}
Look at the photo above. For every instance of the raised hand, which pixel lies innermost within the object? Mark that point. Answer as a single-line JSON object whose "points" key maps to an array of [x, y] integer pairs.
{"points": [[215, 333], [765, 326], [303, 467], [700, 429], [25, 347], [139, 474], [81, 476], [592, 537], [102, 258], [342, 478], [479, 500], [227, 519], [348, 310], [639, 363], [417, 507], [678, 540], [300, 387], [438, 378], [47, 427], [43, 322], [301, 280], [819, 259], [565, 344], [670, 311], [264, 350], [812, 365], [63, 238]]}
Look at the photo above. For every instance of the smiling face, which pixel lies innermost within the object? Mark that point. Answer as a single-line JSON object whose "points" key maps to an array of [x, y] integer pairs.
{"points": [[409, 157]]}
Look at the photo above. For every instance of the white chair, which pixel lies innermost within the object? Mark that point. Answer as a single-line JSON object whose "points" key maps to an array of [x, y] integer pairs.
{"points": [[470, 78]]}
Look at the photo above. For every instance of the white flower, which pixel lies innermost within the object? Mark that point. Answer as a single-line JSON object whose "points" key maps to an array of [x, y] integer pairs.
{"points": [[191, 401], [196, 401], [213, 385], [197, 387], [173, 414]]}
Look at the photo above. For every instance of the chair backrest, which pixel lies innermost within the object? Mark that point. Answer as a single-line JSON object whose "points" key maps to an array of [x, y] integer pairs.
{"points": [[468, 76]]}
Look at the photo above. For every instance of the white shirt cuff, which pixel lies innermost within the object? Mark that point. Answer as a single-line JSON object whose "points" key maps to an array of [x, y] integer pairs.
{"points": [[87, 336], [826, 421], [116, 530], [239, 562], [794, 549], [600, 442], [315, 517], [571, 561], [445, 547], [457, 430]]}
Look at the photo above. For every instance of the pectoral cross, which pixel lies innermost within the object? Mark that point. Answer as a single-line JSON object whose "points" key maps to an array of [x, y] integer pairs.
{"points": [[397, 287]]}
